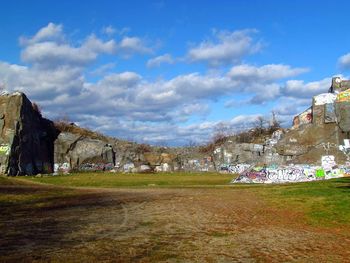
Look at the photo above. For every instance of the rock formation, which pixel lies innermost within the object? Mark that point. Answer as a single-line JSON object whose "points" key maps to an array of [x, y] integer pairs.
{"points": [[26, 139]]}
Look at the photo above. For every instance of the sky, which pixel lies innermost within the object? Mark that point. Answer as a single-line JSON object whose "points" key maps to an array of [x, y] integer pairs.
{"points": [[172, 72]]}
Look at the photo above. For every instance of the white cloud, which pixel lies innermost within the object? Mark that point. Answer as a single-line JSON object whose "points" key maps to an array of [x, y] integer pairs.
{"points": [[49, 48], [101, 70], [51, 54], [300, 89], [51, 32], [344, 61], [132, 45], [109, 30], [226, 48], [127, 104], [264, 74], [157, 61]]}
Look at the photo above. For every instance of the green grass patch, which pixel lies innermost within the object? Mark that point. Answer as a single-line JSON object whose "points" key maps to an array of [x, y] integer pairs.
{"points": [[325, 203], [135, 180]]}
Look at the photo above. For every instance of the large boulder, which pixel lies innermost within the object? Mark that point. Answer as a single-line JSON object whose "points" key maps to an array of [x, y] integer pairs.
{"points": [[83, 153], [26, 138]]}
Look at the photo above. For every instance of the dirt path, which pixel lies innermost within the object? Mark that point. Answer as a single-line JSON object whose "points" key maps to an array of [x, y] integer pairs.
{"points": [[172, 225]]}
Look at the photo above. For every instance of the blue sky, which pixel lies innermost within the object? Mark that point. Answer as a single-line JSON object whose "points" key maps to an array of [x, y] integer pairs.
{"points": [[169, 72]]}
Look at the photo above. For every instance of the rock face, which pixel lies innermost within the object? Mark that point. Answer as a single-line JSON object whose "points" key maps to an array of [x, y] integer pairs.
{"points": [[26, 139], [322, 134], [81, 153]]}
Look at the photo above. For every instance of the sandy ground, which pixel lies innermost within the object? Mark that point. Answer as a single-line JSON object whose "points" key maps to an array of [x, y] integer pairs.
{"points": [[166, 225]]}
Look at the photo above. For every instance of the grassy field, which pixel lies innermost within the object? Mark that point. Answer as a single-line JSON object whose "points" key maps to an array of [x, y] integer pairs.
{"points": [[324, 202], [136, 180], [172, 217]]}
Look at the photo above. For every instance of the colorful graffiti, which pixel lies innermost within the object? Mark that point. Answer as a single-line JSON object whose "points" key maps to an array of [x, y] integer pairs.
{"points": [[234, 168], [293, 173], [5, 149], [61, 168], [303, 118], [343, 96]]}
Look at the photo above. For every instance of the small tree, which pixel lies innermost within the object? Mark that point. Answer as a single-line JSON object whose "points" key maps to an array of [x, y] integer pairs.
{"points": [[221, 132], [260, 124], [274, 123]]}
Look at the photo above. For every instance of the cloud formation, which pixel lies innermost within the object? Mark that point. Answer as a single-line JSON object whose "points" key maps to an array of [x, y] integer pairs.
{"points": [[129, 105], [344, 61], [157, 61], [225, 48]]}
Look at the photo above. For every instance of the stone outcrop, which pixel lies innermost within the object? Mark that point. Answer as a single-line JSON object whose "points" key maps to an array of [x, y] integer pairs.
{"points": [[26, 138], [79, 151], [322, 132]]}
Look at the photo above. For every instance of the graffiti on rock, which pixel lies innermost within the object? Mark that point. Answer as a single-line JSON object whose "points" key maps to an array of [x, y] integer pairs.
{"points": [[328, 162], [96, 167], [344, 96], [5, 149], [61, 168], [329, 113], [234, 168], [303, 118], [324, 98], [293, 173]]}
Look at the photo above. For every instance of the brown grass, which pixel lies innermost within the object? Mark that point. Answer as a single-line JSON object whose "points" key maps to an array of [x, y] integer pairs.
{"points": [[66, 126]]}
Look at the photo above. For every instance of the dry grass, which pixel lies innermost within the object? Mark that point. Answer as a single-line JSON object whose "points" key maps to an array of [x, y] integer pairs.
{"points": [[66, 126]]}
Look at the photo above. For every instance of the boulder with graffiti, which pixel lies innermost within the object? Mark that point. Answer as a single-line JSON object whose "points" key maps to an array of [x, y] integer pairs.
{"points": [[294, 173], [26, 138]]}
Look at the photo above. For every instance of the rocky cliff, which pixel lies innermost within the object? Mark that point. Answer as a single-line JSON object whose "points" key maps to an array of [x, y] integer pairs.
{"points": [[26, 138]]}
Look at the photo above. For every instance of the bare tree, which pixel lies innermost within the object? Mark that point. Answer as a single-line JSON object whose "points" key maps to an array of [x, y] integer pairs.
{"points": [[260, 124], [275, 123], [221, 132]]}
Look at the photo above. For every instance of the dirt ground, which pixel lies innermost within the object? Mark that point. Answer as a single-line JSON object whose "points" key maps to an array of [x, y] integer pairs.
{"points": [[166, 225]]}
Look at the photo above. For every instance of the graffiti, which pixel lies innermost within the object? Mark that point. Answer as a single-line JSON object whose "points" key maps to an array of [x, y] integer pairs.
{"points": [[5, 149], [96, 167], [319, 173], [329, 113], [328, 162], [339, 85], [324, 98], [342, 111], [346, 148], [234, 168], [61, 168], [128, 167], [145, 168], [293, 173], [343, 96], [275, 137], [303, 118], [288, 174]]}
